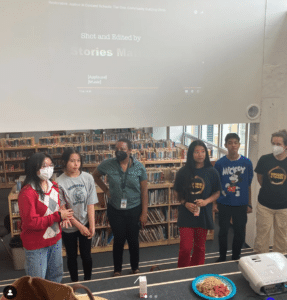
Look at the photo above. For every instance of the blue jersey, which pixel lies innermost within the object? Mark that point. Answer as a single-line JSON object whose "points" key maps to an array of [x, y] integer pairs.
{"points": [[236, 177]]}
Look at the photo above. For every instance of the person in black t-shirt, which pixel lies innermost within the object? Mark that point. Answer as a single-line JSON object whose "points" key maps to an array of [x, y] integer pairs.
{"points": [[196, 186], [271, 172]]}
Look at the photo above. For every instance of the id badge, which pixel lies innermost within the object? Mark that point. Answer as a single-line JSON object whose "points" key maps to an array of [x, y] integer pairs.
{"points": [[124, 203]]}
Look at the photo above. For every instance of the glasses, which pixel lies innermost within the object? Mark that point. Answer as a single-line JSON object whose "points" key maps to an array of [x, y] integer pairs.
{"points": [[45, 166]]}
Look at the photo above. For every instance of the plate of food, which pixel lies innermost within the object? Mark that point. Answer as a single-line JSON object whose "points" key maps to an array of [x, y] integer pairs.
{"points": [[213, 286]]}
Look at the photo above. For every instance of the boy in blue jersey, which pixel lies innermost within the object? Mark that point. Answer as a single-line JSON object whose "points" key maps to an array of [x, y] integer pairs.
{"points": [[236, 173]]}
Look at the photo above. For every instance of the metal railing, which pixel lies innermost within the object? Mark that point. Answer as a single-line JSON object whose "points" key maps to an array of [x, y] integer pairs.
{"points": [[220, 150]]}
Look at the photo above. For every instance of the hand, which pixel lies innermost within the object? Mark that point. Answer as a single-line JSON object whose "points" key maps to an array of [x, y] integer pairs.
{"points": [[191, 207], [143, 219], [84, 231], [249, 210], [66, 224], [92, 232], [215, 208], [63, 206], [200, 202], [66, 213]]}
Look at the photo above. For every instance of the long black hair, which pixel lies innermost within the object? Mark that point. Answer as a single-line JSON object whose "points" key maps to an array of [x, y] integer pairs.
{"points": [[66, 156], [32, 165], [190, 166]]}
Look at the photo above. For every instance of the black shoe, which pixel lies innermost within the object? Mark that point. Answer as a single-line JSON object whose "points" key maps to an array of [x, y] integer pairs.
{"points": [[135, 271], [221, 259], [235, 258]]}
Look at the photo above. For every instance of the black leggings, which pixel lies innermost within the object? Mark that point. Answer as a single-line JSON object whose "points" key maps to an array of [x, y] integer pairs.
{"points": [[125, 225], [71, 244]]}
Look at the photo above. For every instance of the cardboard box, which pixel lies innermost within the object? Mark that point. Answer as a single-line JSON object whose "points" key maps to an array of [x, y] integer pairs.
{"points": [[18, 255]]}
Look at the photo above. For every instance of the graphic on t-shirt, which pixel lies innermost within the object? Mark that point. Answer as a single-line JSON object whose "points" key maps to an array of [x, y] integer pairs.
{"points": [[197, 185], [235, 178], [277, 176], [78, 195], [232, 187]]}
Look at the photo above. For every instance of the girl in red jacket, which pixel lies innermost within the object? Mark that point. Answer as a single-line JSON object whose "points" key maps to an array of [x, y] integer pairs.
{"points": [[40, 213]]}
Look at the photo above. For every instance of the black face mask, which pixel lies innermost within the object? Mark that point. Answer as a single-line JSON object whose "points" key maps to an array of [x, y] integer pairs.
{"points": [[121, 155]]}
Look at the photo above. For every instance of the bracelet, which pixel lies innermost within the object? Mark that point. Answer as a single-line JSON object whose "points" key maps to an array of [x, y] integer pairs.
{"points": [[249, 206]]}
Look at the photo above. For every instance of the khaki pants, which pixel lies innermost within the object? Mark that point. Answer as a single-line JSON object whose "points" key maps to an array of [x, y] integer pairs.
{"points": [[265, 218]]}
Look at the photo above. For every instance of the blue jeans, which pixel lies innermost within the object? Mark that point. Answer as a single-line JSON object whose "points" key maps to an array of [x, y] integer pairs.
{"points": [[46, 263]]}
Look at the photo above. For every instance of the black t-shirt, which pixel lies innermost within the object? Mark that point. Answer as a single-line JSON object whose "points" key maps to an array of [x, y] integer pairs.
{"points": [[206, 183], [273, 192]]}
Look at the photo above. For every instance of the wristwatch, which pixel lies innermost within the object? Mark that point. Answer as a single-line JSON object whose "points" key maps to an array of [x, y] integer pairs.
{"points": [[60, 214]]}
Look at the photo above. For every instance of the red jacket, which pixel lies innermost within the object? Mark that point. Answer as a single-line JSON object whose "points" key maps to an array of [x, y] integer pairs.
{"points": [[40, 219]]}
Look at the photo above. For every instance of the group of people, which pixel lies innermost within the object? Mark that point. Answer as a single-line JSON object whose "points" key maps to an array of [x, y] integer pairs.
{"points": [[64, 210], [226, 189], [52, 212]]}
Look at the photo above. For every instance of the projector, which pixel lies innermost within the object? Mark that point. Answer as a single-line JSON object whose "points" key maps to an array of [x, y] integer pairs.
{"points": [[266, 273]]}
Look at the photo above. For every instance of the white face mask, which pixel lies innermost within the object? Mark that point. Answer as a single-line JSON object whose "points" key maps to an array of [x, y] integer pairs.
{"points": [[46, 173], [277, 150]]}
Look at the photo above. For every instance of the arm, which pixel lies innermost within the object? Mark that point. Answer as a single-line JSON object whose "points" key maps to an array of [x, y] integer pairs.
{"points": [[144, 200], [214, 204], [73, 221], [91, 217], [250, 177], [260, 178], [98, 180], [249, 207], [177, 197], [212, 198], [214, 207], [190, 206]]}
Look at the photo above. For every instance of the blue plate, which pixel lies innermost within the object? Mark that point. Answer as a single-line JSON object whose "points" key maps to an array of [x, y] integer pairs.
{"points": [[231, 286]]}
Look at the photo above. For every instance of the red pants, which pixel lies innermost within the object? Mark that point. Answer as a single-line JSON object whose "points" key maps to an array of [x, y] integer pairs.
{"points": [[191, 238]]}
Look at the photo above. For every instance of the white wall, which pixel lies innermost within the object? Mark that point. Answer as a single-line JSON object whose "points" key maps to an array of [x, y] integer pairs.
{"points": [[274, 93]]}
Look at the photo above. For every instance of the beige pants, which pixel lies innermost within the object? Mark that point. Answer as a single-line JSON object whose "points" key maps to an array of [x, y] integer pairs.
{"points": [[265, 218]]}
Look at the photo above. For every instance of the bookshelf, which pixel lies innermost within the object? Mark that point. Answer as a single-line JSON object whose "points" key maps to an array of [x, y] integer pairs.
{"points": [[15, 220], [160, 158], [13, 153]]}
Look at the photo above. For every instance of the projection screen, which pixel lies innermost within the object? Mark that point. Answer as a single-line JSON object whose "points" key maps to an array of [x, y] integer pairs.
{"points": [[113, 64]]}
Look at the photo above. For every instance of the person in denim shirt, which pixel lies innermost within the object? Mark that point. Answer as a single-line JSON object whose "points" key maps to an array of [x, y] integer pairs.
{"points": [[127, 204]]}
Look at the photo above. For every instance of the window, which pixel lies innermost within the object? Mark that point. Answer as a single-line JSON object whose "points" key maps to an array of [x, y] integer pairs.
{"points": [[214, 136]]}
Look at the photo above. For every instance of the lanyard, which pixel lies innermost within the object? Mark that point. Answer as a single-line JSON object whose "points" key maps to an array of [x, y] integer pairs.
{"points": [[124, 180]]}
